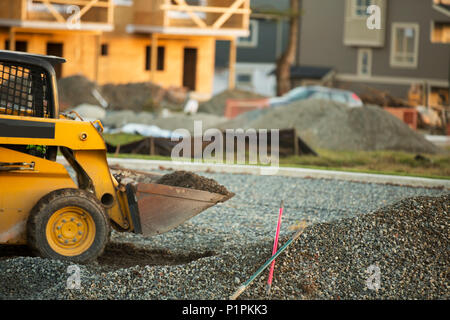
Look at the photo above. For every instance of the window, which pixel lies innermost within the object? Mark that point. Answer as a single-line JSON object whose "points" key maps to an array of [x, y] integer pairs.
{"points": [[360, 8], [104, 49], [244, 79], [404, 45], [357, 30], [20, 46], [440, 32], [364, 62], [161, 58], [252, 39]]}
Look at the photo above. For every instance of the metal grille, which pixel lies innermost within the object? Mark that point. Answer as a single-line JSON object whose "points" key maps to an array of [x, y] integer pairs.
{"points": [[24, 91]]}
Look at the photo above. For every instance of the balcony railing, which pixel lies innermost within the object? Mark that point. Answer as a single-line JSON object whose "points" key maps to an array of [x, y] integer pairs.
{"points": [[59, 14], [213, 16]]}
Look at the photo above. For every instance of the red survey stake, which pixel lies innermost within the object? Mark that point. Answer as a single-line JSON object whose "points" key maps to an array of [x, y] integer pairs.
{"points": [[275, 246]]}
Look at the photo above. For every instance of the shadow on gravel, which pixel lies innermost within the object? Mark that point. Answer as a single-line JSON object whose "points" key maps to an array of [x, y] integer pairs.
{"points": [[12, 251], [121, 255], [125, 255]]}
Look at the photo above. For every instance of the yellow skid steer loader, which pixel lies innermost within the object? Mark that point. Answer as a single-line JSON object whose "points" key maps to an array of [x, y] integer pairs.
{"points": [[40, 204]]}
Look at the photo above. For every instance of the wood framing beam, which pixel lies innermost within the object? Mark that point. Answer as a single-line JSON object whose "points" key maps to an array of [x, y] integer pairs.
{"points": [[53, 11], [97, 56], [228, 13], [232, 66], [12, 39], [23, 12], [86, 8], [78, 2], [33, 29], [172, 7], [110, 12], [191, 13], [246, 16], [154, 57]]}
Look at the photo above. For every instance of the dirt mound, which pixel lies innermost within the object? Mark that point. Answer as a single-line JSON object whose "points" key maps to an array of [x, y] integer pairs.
{"points": [[217, 104], [333, 126], [76, 90], [142, 96], [191, 180]]}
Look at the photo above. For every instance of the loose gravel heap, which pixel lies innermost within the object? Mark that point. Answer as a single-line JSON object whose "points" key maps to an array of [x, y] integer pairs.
{"points": [[403, 231], [185, 179], [334, 126], [76, 90], [216, 105]]}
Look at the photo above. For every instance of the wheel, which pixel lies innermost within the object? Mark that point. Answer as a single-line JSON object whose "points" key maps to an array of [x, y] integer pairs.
{"points": [[68, 224]]}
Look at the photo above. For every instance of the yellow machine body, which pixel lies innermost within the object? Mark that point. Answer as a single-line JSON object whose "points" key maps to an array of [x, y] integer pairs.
{"points": [[66, 211], [21, 189]]}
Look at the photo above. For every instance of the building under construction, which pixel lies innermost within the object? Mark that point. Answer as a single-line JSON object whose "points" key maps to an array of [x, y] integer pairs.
{"points": [[169, 42]]}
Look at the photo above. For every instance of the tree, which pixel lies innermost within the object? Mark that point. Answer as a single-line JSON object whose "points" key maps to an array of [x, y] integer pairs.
{"points": [[287, 59]]}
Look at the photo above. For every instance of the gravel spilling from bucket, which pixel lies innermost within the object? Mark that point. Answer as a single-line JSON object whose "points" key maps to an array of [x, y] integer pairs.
{"points": [[191, 180], [352, 226]]}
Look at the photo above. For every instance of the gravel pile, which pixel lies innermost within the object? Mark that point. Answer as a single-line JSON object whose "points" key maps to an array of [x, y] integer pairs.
{"points": [[351, 227], [117, 119], [407, 243], [330, 125], [76, 90], [143, 96], [185, 179]]}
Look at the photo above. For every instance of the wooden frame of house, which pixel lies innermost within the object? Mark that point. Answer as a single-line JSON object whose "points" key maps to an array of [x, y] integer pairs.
{"points": [[169, 42]]}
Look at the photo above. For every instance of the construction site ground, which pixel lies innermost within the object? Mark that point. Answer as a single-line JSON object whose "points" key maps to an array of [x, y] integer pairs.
{"points": [[351, 226], [378, 162]]}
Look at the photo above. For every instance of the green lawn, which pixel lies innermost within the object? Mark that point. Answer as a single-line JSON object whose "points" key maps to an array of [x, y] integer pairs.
{"points": [[380, 162], [121, 138]]}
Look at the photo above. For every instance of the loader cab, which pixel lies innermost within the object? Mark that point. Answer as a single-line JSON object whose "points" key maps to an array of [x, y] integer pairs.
{"points": [[28, 89], [28, 84]]}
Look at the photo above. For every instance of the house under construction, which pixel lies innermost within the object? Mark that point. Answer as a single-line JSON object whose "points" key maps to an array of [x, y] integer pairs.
{"points": [[168, 42]]}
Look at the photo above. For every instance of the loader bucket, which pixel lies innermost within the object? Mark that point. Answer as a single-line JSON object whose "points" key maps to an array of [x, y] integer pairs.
{"points": [[156, 208]]}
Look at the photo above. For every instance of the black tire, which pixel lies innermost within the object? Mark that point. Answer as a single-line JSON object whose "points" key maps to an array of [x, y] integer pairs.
{"points": [[58, 200]]}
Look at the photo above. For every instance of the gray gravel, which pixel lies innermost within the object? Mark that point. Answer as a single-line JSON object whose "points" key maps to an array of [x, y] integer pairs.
{"points": [[227, 243]]}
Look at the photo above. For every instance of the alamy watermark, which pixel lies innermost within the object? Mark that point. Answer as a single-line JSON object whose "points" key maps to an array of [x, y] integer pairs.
{"points": [[73, 21], [74, 280], [373, 282], [374, 20], [233, 146]]}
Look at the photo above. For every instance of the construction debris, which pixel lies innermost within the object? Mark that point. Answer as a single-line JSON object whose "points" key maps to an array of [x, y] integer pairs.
{"points": [[383, 99], [217, 104]]}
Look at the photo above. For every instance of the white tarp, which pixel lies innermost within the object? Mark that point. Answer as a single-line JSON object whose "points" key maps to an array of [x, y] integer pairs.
{"points": [[145, 130]]}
